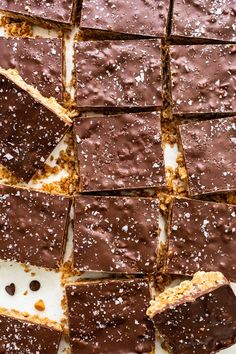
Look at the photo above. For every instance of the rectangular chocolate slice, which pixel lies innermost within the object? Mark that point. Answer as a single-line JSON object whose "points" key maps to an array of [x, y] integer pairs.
{"points": [[120, 152], [204, 19], [202, 236], [118, 74], [31, 125], [21, 336], [124, 230], [145, 18], [110, 317], [33, 226], [210, 155], [203, 79], [198, 316], [38, 60], [55, 13]]}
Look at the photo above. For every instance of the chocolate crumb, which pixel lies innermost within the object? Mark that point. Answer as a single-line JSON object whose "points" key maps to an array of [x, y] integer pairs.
{"points": [[35, 285], [11, 289]]}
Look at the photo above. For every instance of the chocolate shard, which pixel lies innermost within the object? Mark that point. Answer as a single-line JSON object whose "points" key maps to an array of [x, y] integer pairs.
{"points": [[118, 74], [120, 152], [123, 229], [33, 226], [210, 155], [198, 316], [110, 317], [138, 17]]}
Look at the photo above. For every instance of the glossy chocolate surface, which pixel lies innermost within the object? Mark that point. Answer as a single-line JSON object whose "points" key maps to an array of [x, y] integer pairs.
{"points": [[110, 317], [118, 73], [33, 226], [203, 78], [202, 236], [209, 149], [123, 230], [28, 131], [120, 152]]}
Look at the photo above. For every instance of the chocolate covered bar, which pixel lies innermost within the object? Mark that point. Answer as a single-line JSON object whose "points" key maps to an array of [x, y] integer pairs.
{"points": [[203, 79], [31, 125], [118, 74], [201, 236], [39, 62], [124, 230], [21, 335], [52, 13], [209, 154], [145, 18], [110, 317], [198, 316], [120, 152], [204, 19], [33, 226]]}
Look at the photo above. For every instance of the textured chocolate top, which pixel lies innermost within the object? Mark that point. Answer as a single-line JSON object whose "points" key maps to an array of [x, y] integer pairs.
{"points": [[38, 60], [124, 230], [210, 155], [120, 152], [211, 19], [203, 79], [118, 73], [110, 317], [28, 131], [53, 10], [24, 337], [139, 17], [33, 226], [205, 325], [202, 236]]}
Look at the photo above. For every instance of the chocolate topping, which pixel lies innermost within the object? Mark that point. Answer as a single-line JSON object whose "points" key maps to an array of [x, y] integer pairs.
{"points": [[210, 19], [202, 236], [19, 336], [34, 285], [210, 155], [38, 60], [110, 317], [11, 289], [120, 152], [124, 230], [139, 17], [203, 79], [118, 73], [204, 325], [53, 10], [33, 226], [28, 130]]}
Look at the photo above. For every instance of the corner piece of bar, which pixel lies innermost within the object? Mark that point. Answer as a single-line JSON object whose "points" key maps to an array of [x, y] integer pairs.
{"points": [[109, 317], [124, 230], [197, 316], [31, 125], [120, 152], [201, 236], [33, 226], [209, 149]]}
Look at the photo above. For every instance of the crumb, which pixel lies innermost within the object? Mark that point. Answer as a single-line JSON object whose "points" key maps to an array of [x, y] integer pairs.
{"points": [[25, 293], [16, 27], [39, 305]]}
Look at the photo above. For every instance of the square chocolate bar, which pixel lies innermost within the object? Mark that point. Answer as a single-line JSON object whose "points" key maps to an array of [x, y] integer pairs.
{"points": [[202, 236], [110, 317], [203, 79], [33, 226], [124, 230], [204, 19], [55, 13], [197, 316], [19, 335], [145, 18], [30, 126], [39, 62], [120, 152], [210, 155], [118, 74]]}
